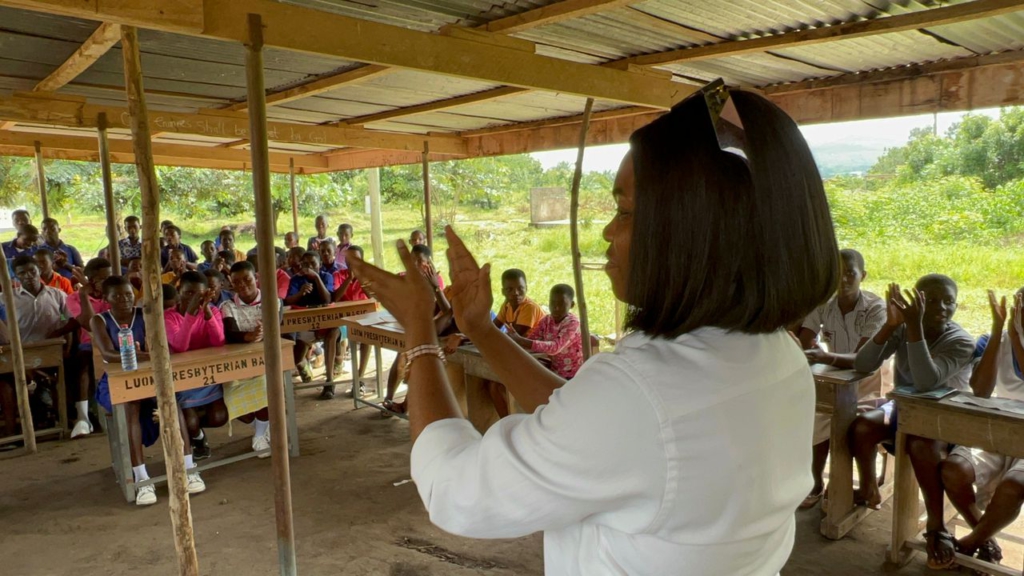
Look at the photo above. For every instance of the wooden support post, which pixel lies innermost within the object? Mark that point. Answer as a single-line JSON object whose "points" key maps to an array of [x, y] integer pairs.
{"points": [[376, 221], [574, 230], [28, 433], [108, 195], [153, 308], [41, 180], [268, 285], [295, 199], [426, 195]]}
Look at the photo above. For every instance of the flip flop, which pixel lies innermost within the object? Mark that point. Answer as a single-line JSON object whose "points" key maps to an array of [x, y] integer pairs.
{"points": [[932, 539], [811, 500]]}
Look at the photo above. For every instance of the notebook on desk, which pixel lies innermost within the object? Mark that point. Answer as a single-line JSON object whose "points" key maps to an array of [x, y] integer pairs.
{"points": [[936, 394]]}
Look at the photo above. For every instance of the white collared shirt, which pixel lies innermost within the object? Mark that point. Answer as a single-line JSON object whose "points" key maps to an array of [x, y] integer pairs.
{"points": [[41, 314], [663, 457]]}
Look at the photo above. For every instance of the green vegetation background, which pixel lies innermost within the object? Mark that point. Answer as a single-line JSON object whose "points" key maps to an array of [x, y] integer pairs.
{"points": [[951, 203]]}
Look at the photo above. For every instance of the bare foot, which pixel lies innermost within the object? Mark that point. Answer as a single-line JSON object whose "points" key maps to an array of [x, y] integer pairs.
{"points": [[868, 496]]}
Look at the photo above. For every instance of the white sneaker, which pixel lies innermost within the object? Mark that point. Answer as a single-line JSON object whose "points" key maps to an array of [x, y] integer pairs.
{"points": [[262, 444], [194, 483], [145, 496], [82, 428]]}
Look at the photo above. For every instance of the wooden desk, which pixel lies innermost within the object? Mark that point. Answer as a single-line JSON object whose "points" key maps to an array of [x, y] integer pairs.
{"points": [[473, 364], [992, 430], [323, 317], [41, 354], [207, 367], [382, 334], [837, 393]]}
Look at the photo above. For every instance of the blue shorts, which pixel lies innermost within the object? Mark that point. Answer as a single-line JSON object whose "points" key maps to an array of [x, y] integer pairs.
{"points": [[200, 396]]}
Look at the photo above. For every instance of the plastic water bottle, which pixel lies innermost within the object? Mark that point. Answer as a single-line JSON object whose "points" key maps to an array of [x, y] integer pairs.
{"points": [[129, 361]]}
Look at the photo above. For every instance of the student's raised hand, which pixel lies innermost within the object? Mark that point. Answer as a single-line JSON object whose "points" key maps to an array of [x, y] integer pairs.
{"points": [[894, 306], [998, 308], [470, 292], [1017, 315], [77, 274], [913, 307], [409, 298]]}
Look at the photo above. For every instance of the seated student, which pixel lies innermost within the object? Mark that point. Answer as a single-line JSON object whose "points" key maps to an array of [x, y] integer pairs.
{"points": [[291, 240], [134, 275], [345, 232], [44, 260], [227, 243], [42, 313], [846, 322], [293, 261], [931, 352], [142, 430], [311, 287], [332, 265], [518, 314], [224, 260], [177, 265], [321, 233], [417, 237], [283, 277], [193, 325], [172, 241], [443, 322], [208, 250], [164, 225], [82, 306], [217, 284], [349, 289], [131, 247], [25, 242], [243, 323], [999, 479], [19, 219], [557, 334], [65, 256]]}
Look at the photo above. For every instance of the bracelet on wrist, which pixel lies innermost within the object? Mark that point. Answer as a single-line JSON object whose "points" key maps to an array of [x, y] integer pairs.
{"points": [[424, 350]]}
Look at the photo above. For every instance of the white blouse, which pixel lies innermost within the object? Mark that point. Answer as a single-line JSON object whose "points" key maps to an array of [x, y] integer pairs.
{"points": [[685, 456]]}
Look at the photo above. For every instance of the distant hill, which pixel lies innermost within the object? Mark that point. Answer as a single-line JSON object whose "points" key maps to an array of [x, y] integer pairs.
{"points": [[836, 158]]}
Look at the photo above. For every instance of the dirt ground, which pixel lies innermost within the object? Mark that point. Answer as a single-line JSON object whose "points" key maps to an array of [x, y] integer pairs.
{"points": [[61, 513]]}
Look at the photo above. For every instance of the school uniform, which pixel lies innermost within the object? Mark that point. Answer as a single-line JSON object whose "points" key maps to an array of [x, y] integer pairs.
{"points": [[39, 314], [59, 282], [652, 460], [129, 249], [314, 242], [990, 467], [73, 256], [244, 396], [843, 333], [194, 332], [529, 313], [99, 305], [150, 429], [190, 254], [311, 299], [561, 341]]}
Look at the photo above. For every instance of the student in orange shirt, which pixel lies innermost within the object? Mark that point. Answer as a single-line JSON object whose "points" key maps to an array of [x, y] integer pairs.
{"points": [[44, 259], [518, 315]]}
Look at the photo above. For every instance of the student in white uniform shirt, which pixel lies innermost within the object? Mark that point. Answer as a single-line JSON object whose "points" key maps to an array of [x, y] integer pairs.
{"points": [[999, 479], [845, 323], [687, 449]]}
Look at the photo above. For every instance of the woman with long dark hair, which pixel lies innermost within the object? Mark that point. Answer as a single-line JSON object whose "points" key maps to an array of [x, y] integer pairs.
{"points": [[684, 451]]}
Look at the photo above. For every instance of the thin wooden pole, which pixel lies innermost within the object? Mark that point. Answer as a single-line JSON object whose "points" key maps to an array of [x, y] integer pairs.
{"points": [[268, 286], [295, 199], [574, 231], [426, 195], [41, 180], [376, 221], [114, 250], [153, 309], [28, 432]]}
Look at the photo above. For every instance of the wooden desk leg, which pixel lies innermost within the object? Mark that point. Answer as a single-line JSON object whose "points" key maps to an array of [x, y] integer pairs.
{"points": [[122, 455], [905, 510], [379, 358], [62, 401], [840, 476], [289, 407]]}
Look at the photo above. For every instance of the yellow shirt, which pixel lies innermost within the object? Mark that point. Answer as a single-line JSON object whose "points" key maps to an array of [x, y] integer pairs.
{"points": [[528, 314], [168, 278]]}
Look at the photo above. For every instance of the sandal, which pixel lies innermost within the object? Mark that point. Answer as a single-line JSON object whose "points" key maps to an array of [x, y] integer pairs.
{"points": [[811, 500], [990, 552], [935, 538]]}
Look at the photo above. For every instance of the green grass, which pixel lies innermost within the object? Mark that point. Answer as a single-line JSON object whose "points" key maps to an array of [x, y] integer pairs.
{"points": [[505, 239]]}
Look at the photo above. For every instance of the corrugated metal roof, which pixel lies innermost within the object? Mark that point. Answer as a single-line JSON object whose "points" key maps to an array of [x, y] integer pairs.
{"points": [[425, 15]]}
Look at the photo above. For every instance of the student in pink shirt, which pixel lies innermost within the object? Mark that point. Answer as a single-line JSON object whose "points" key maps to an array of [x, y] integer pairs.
{"points": [[557, 334], [193, 324]]}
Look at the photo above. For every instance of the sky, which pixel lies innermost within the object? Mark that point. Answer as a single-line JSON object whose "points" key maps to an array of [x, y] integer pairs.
{"points": [[884, 133]]}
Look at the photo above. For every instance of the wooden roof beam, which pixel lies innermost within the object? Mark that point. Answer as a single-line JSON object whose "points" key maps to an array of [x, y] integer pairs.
{"points": [[942, 16], [552, 14], [303, 29], [95, 46], [320, 85], [64, 111]]}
